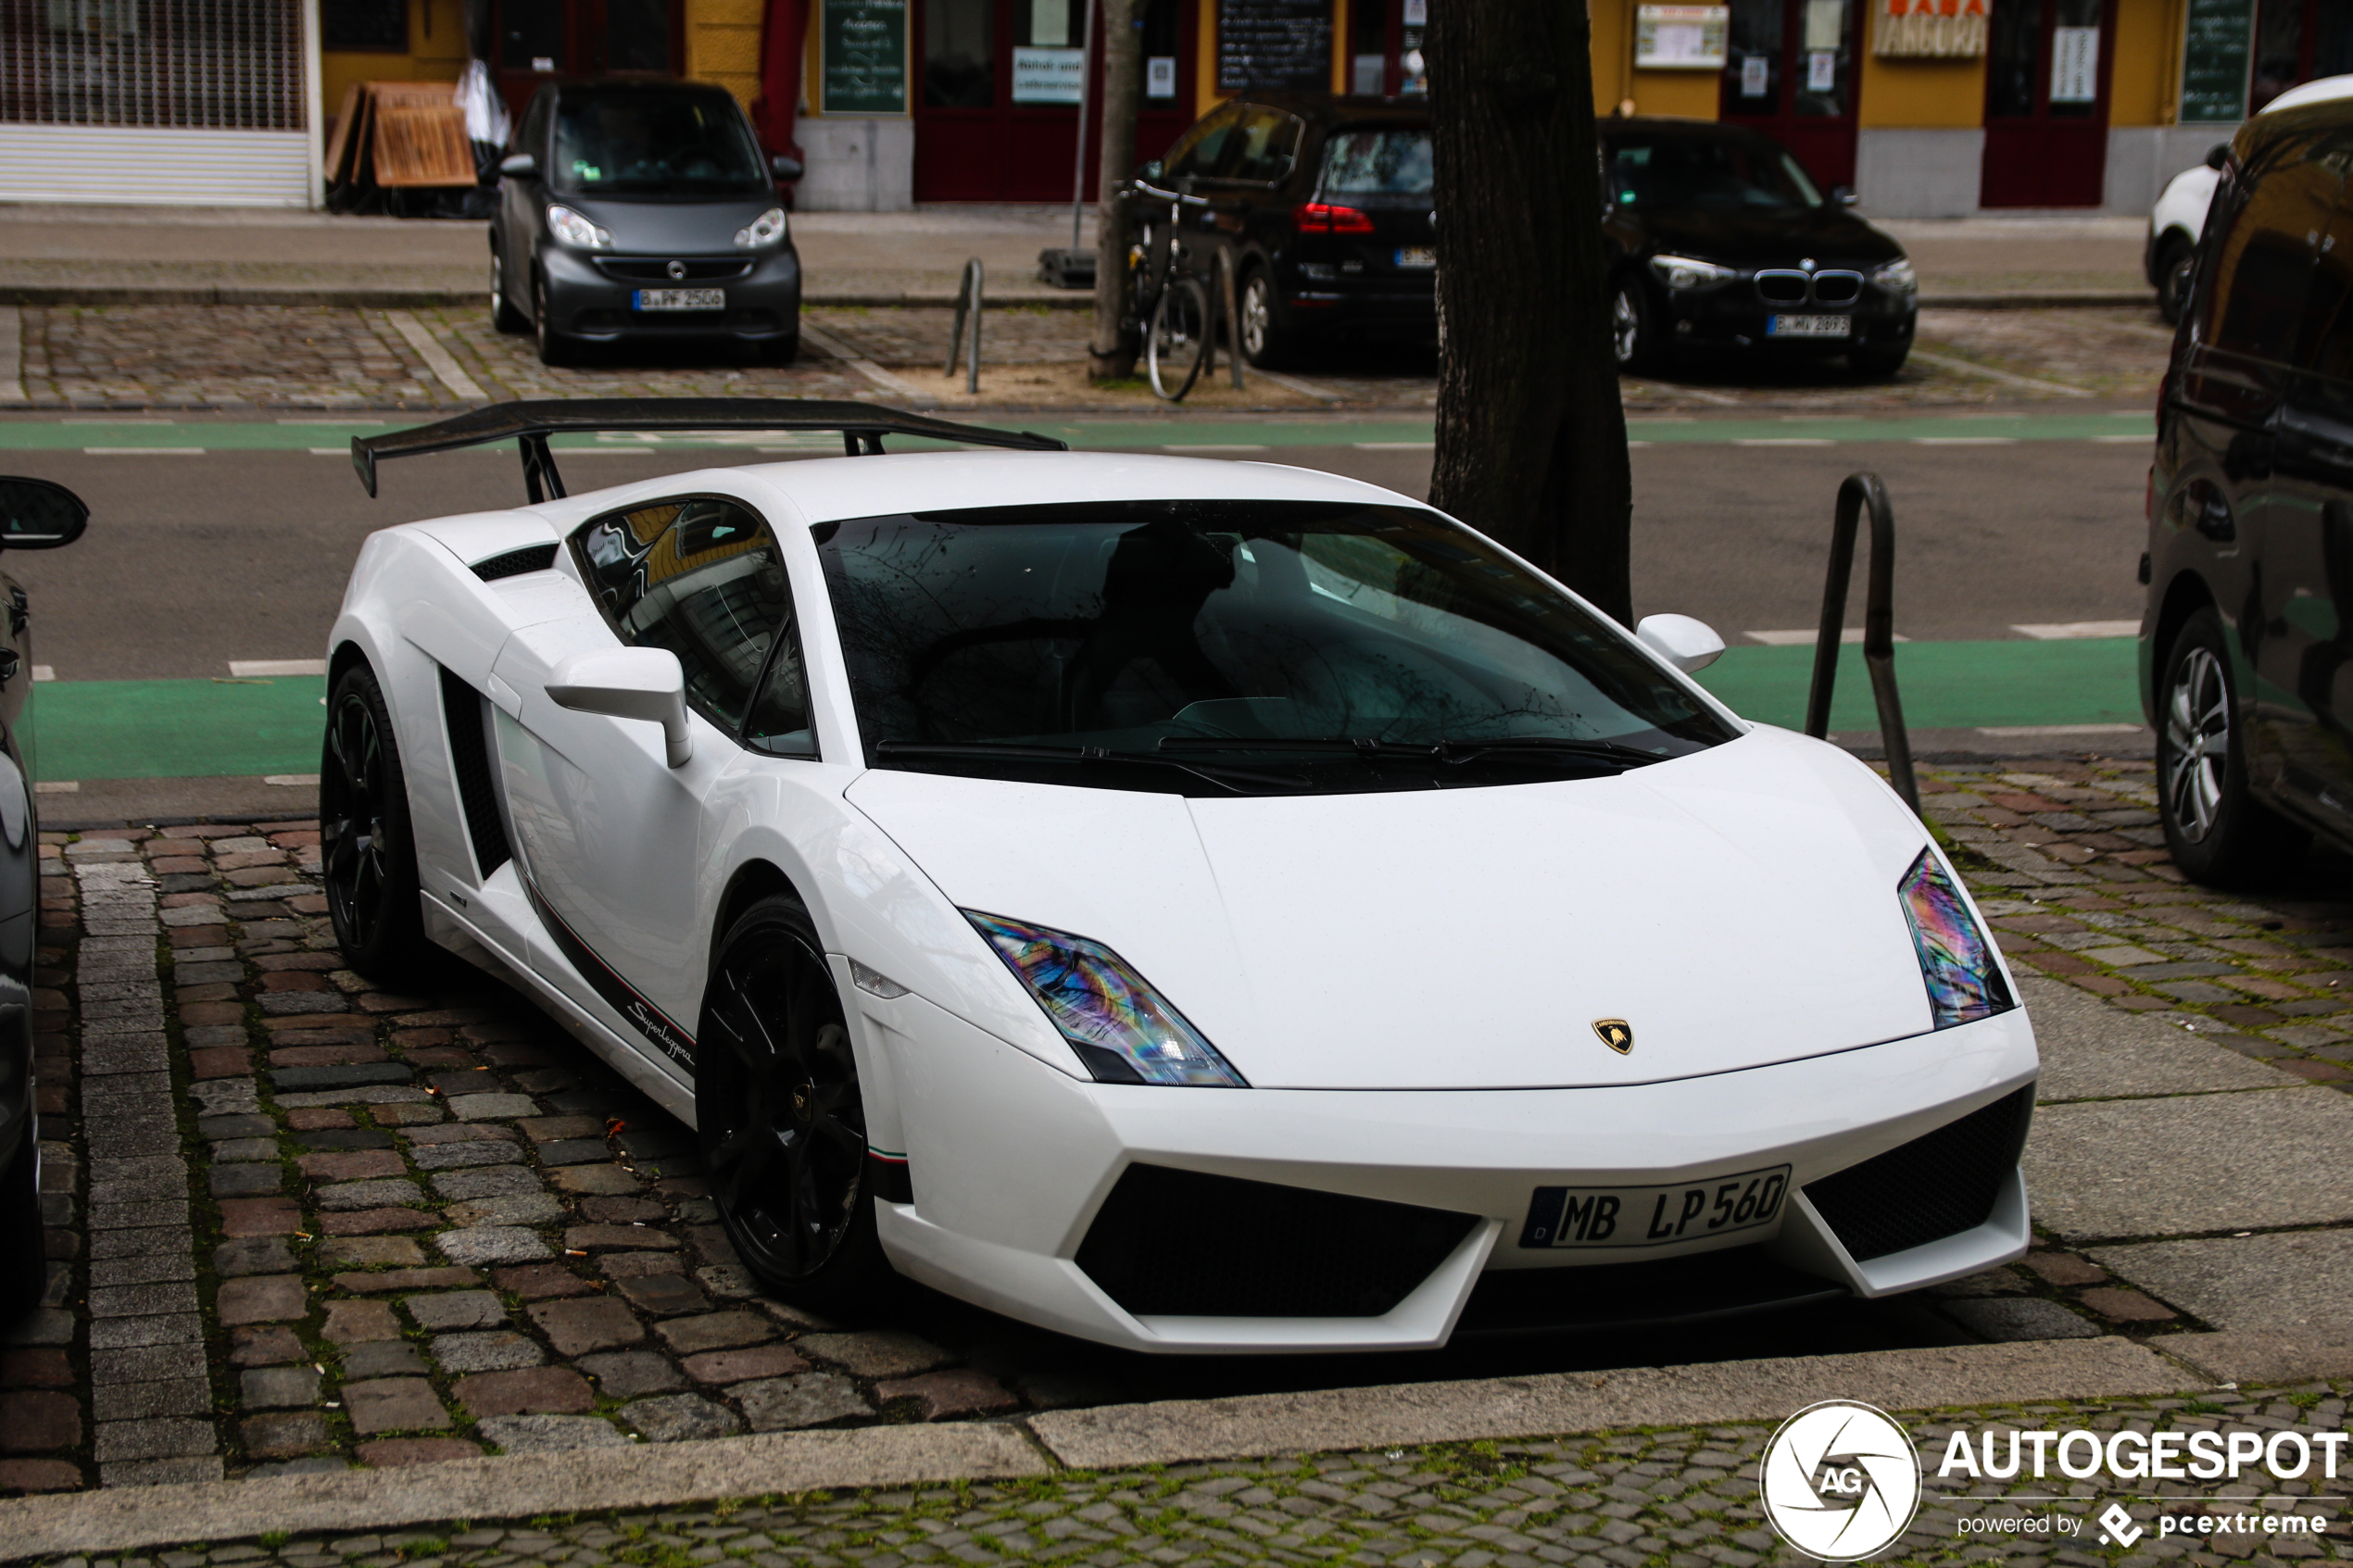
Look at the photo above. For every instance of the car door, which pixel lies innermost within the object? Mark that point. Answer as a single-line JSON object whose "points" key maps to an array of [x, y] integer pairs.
{"points": [[520, 200], [1260, 153], [613, 836]]}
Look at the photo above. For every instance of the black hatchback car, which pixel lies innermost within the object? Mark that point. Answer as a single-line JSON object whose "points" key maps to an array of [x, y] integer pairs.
{"points": [[1324, 207], [2247, 636], [1718, 239], [642, 207]]}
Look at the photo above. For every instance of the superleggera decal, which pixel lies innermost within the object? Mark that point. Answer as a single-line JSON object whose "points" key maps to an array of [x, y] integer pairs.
{"points": [[648, 1019]]}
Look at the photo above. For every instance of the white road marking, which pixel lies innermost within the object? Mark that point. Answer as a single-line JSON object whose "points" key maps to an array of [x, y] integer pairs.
{"points": [[45, 671], [2127, 440], [1805, 636], [2056, 631], [1967, 367], [330, 451], [143, 451], [825, 342], [290, 781], [121, 421], [437, 359], [1964, 441], [2027, 732], [249, 669], [57, 787], [1786, 441], [1396, 445]]}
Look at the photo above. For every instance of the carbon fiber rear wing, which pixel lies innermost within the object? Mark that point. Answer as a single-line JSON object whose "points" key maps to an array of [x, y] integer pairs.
{"points": [[528, 424]]}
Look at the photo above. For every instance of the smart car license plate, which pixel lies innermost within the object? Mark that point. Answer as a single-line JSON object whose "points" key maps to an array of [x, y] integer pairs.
{"points": [[1654, 1216], [682, 299], [1417, 258], [1808, 326]]}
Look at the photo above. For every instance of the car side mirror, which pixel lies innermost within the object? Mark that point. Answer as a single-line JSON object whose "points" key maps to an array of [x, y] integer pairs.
{"points": [[517, 166], [641, 682], [1687, 644], [785, 169], [1845, 195], [2218, 154], [37, 515], [1151, 170]]}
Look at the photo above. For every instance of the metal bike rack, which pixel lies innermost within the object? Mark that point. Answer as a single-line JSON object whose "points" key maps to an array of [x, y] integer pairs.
{"points": [[1878, 627], [967, 308]]}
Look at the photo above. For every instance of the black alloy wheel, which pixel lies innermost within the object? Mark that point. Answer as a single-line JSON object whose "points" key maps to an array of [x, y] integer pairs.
{"points": [[24, 1261], [781, 1121], [1879, 361], [1631, 337], [554, 347], [365, 846], [2218, 832], [503, 314], [1264, 343]]}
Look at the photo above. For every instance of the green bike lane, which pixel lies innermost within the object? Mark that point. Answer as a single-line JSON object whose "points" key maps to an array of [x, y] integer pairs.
{"points": [[251, 728]]}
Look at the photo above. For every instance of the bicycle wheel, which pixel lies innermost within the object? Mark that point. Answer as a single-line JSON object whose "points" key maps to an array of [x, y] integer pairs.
{"points": [[1178, 344]]}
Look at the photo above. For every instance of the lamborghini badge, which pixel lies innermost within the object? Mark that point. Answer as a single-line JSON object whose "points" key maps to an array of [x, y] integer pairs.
{"points": [[1616, 1033]]}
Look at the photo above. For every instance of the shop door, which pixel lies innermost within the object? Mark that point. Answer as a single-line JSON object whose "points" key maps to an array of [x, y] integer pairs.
{"points": [[1790, 73], [2046, 79], [540, 40], [997, 116]]}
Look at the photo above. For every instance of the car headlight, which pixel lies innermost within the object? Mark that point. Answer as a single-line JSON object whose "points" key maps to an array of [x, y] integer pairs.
{"points": [[574, 230], [764, 230], [1682, 272], [1964, 978], [1897, 277], [1122, 1028]]}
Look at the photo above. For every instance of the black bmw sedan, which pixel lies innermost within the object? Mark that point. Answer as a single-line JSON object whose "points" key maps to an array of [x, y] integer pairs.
{"points": [[641, 207], [1718, 240]]}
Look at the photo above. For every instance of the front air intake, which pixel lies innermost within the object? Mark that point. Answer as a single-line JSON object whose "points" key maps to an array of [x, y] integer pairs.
{"points": [[1939, 1184], [1173, 1243]]}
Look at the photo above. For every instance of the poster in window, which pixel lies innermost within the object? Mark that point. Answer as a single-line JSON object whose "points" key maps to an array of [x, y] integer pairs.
{"points": [[1757, 77], [1929, 29], [1681, 37], [1274, 44], [1821, 71], [862, 57], [1160, 77], [2075, 65], [1048, 76], [2216, 49]]}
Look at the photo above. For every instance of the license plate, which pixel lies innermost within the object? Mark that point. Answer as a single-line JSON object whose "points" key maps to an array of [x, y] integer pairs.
{"points": [[682, 299], [1416, 257], [1808, 326], [1654, 1216]]}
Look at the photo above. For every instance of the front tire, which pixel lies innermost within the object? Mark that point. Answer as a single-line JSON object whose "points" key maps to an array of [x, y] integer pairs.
{"points": [[24, 1260], [2176, 269], [2218, 832], [503, 314], [781, 1120], [366, 848], [1631, 335], [554, 347], [1880, 361], [1264, 343]]}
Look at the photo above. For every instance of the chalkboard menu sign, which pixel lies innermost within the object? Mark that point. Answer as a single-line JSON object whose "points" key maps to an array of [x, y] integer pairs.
{"points": [[862, 59], [2214, 49], [1270, 44], [364, 24]]}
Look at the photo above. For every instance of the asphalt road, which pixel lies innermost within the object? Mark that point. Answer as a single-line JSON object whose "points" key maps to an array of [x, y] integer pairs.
{"points": [[193, 561]]}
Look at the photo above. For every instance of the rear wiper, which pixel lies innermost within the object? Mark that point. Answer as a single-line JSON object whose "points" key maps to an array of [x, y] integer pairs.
{"points": [[1225, 778]]}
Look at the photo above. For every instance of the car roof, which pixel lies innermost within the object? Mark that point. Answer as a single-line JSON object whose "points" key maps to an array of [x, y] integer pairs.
{"points": [[1325, 109], [2327, 90], [832, 489], [1658, 125], [2275, 124]]}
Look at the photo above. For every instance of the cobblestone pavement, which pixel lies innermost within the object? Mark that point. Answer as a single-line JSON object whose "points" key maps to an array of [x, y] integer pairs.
{"points": [[422, 1226], [204, 356], [1680, 1497]]}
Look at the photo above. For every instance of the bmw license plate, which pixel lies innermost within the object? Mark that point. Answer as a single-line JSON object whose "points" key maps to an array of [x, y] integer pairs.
{"points": [[1808, 326], [682, 299], [1417, 259], [1654, 1216]]}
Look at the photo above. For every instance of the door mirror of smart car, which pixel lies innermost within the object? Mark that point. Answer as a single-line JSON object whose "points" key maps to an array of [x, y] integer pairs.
{"points": [[2218, 154], [517, 166], [1845, 195], [647, 683], [1149, 172], [1687, 644], [785, 169], [37, 515]]}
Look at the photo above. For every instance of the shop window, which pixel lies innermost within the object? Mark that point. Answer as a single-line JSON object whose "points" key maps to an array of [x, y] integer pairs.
{"points": [[2014, 39], [1162, 39], [218, 65], [637, 35], [531, 34], [1753, 63], [960, 53], [377, 26]]}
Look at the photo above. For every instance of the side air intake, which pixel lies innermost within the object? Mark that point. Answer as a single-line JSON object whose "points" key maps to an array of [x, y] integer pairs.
{"points": [[468, 713]]}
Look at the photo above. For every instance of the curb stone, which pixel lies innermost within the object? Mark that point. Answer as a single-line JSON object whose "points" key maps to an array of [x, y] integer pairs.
{"points": [[671, 1474]]}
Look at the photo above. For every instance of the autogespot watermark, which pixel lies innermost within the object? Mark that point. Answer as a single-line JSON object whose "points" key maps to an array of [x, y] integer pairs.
{"points": [[1841, 1481]]}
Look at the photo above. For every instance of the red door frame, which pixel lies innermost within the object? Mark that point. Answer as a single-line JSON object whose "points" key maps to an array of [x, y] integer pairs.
{"points": [[2041, 160], [1823, 144]]}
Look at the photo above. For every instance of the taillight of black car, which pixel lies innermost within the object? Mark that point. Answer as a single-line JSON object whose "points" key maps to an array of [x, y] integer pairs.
{"points": [[1320, 217]]}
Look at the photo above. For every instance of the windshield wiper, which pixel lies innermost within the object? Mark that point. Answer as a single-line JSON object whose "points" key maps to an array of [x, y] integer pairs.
{"points": [[1225, 778], [1602, 753]]}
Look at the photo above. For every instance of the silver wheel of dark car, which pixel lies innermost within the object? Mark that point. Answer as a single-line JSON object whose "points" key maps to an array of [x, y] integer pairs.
{"points": [[554, 347], [1263, 344], [503, 314], [782, 1123], [1629, 333], [2218, 832], [369, 858]]}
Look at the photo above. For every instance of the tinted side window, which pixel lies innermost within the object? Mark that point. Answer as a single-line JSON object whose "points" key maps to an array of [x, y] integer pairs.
{"points": [[779, 722], [2263, 269], [1264, 144], [1199, 151], [700, 578]]}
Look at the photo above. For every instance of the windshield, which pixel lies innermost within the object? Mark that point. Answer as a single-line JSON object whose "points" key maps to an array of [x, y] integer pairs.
{"points": [[655, 143], [1720, 172], [1377, 163], [1234, 646]]}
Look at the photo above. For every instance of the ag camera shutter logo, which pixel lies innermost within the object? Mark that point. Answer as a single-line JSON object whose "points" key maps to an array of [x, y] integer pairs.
{"points": [[1840, 1481]]}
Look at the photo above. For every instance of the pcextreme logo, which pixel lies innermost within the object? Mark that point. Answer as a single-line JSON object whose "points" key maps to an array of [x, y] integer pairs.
{"points": [[1840, 1480]]}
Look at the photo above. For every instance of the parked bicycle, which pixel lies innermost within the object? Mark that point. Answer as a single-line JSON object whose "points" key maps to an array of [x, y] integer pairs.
{"points": [[1171, 311]]}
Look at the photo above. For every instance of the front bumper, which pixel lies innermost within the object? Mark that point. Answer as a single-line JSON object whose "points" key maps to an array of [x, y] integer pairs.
{"points": [[1732, 316], [1011, 1163], [584, 301]]}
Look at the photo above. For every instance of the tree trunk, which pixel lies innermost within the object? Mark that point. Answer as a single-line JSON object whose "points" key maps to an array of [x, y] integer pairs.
{"points": [[1531, 437], [1112, 358]]}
